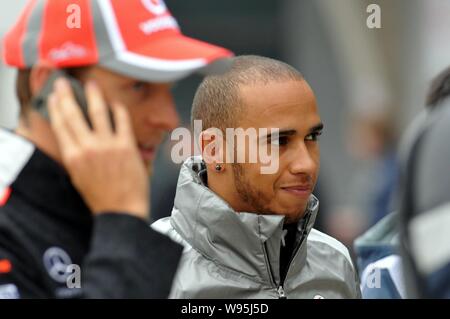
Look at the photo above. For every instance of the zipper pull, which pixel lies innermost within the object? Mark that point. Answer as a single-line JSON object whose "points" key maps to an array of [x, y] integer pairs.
{"points": [[281, 294]]}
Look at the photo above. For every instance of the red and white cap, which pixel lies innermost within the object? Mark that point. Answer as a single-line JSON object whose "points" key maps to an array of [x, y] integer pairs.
{"points": [[136, 38]]}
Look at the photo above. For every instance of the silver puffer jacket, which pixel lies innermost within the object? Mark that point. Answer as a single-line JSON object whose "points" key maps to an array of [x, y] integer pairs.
{"points": [[237, 255]]}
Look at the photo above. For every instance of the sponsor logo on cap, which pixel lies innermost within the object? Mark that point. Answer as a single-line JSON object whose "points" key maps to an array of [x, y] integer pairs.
{"points": [[161, 21], [68, 50], [157, 7], [158, 24]]}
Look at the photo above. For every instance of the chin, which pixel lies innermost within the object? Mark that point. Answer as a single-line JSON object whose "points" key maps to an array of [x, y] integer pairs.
{"points": [[295, 214]]}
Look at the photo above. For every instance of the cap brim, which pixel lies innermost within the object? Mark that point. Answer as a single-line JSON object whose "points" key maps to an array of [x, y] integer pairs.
{"points": [[169, 59]]}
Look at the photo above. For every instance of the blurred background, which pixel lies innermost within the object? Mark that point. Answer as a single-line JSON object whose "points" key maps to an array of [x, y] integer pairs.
{"points": [[369, 84]]}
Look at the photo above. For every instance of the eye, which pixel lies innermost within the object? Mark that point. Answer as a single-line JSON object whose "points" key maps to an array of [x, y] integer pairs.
{"points": [[313, 136], [280, 141], [139, 86]]}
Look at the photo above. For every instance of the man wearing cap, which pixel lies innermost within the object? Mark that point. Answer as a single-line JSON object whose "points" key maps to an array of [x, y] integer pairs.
{"points": [[73, 193]]}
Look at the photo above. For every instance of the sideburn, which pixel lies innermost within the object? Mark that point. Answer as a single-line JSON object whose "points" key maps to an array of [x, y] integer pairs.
{"points": [[247, 193]]}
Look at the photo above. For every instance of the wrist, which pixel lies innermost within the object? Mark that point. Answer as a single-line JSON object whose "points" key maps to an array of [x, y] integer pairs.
{"points": [[139, 210]]}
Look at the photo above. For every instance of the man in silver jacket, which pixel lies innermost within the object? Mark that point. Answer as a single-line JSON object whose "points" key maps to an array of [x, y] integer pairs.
{"points": [[249, 234]]}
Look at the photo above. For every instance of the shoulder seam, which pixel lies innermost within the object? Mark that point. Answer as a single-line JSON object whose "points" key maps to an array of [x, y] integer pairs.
{"points": [[331, 242], [161, 227]]}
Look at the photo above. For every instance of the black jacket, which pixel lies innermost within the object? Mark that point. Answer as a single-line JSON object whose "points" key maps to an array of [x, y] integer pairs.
{"points": [[45, 227]]}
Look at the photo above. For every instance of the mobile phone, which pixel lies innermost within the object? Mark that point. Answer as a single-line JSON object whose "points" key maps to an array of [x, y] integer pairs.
{"points": [[40, 101]]}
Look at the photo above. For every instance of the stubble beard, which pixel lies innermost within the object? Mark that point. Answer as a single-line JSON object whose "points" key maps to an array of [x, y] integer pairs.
{"points": [[255, 199]]}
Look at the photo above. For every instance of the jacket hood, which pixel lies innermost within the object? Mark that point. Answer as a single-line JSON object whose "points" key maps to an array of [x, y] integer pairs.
{"points": [[243, 240]]}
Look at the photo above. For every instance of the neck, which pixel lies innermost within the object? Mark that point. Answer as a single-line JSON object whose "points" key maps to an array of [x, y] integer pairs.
{"points": [[39, 132]]}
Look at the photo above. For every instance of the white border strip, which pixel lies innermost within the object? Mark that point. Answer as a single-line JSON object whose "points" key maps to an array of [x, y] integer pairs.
{"points": [[15, 153], [318, 236], [166, 65]]}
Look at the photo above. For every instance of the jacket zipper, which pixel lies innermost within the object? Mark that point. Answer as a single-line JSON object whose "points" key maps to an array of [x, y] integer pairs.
{"points": [[281, 294], [280, 290], [280, 287], [269, 269]]}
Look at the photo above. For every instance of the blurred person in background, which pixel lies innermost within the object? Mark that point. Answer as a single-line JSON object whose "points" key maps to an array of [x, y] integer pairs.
{"points": [[75, 193], [371, 143], [248, 234], [379, 251]]}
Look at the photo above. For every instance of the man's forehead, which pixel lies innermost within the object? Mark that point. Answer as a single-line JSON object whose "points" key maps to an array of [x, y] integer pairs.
{"points": [[275, 101], [272, 94]]}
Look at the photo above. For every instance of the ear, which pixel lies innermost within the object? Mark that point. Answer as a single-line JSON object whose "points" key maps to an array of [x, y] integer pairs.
{"points": [[212, 146], [38, 76]]}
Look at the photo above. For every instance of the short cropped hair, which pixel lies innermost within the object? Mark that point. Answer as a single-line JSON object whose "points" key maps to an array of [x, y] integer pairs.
{"points": [[217, 102]]}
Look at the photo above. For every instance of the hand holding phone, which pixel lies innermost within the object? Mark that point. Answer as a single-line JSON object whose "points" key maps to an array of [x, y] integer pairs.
{"points": [[104, 164]]}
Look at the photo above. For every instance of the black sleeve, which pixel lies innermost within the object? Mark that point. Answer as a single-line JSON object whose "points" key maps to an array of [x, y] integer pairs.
{"points": [[128, 259]]}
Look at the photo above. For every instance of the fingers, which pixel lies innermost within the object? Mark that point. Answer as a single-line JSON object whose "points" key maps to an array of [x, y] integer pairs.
{"points": [[70, 126], [64, 138], [98, 110], [122, 122], [68, 113]]}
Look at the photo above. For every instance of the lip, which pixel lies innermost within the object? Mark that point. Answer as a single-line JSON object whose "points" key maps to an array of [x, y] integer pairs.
{"points": [[298, 190], [148, 153]]}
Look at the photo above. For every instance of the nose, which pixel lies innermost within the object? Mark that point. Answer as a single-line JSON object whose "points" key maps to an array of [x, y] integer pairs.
{"points": [[162, 114], [305, 161]]}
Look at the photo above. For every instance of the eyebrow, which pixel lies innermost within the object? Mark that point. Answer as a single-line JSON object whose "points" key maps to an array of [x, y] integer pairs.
{"points": [[316, 128], [281, 133]]}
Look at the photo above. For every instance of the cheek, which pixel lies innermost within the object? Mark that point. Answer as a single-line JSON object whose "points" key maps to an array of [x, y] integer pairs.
{"points": [[263, 183], [116, 95], [136, 121], [317, 160], [268, 184], [314, 153]]}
